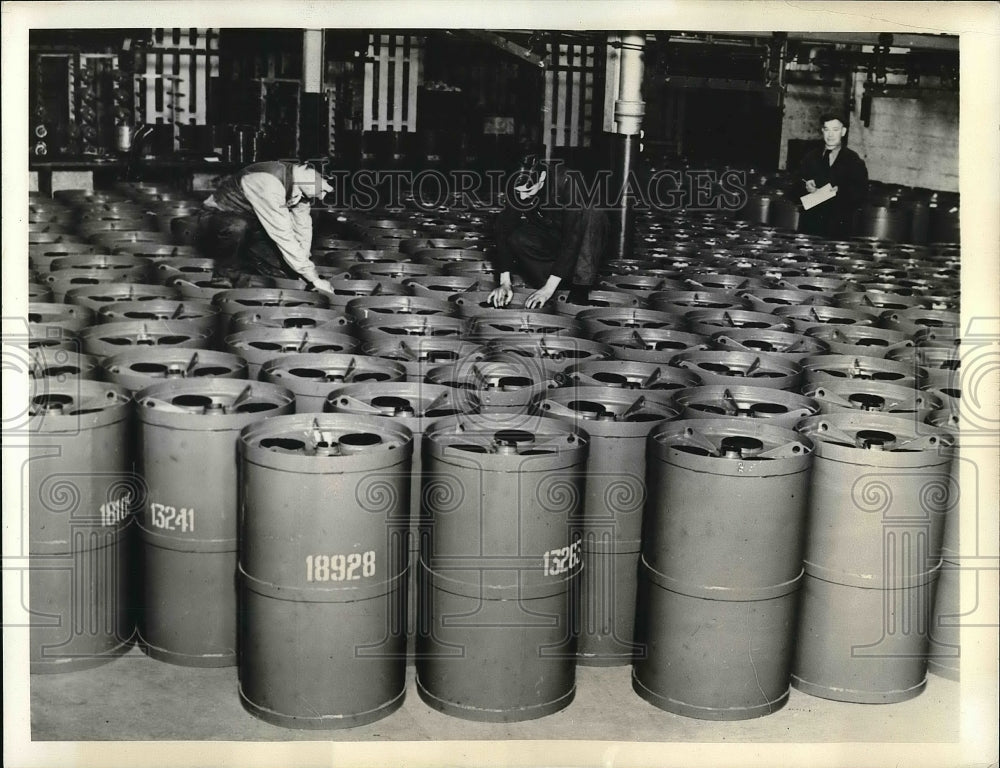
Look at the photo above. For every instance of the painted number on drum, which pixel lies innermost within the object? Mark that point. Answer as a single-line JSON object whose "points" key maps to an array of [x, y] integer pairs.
{"points": [[340, 567], [171, 518], [114, 512], [561, 560]]}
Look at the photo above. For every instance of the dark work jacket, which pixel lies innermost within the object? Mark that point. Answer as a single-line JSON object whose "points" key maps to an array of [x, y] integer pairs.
{"points": [[229, 195], [560, 208], [834, 218]]}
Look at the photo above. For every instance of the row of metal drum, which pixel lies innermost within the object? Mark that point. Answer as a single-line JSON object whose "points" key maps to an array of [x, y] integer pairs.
{"points": [[601, 525], [633, 341]]}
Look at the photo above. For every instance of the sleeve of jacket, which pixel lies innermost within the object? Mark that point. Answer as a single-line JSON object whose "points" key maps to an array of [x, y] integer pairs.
{"points": [[267, 196], [303, 224], [503, 225]]}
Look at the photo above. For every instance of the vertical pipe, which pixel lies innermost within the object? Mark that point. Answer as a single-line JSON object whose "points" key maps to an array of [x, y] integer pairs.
{"points": [[628, 113]]}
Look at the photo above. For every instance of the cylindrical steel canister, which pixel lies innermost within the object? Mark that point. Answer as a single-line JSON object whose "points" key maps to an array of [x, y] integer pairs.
{"points": [[313, 376], [322, 563], [198, 313], [500, 323], [610, 318], [108, 339], [942, 365], [916, 320], [626, 374], [776, 406], [239, 299], [839, 395], [769, 299], [187, 268], [551, 353], [207, 287], [498, 567], [650, 345], [38, 292], [80, 499], [944, 655], [420, 354], [792, 346], [188, 431], [141, 367], [679, 302], [475, 303], [440, 286], [62, 283], [721, 566], [345, 290], [377, 327], [617, 422], [596, 298], [62, 365], [290, 317], [94, 297], [415, 405], [879, 496], [760, 369], [258, 345], [804, 318], [823, 368], [859, 339], [69, 316]]}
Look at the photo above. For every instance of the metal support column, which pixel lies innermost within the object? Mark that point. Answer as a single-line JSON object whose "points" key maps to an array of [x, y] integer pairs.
{"points": [[628, 114]]}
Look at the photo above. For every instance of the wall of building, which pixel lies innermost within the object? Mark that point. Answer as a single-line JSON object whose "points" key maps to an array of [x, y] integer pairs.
{"points": [[911, 142]]}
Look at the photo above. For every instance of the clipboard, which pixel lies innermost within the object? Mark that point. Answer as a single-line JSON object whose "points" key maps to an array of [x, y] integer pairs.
{"points": [[821, 195]]}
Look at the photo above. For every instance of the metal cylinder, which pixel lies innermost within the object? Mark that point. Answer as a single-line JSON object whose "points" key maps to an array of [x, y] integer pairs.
{"points": [[505, 383], [509, 323], [108, 339], [236, 300], [776, 406], [875, 301], [378, 326], [596, 298], [69, 316], [141, 367], [415, 406], [290, 317], [859, 339], [679, 302], [199, 313], [649, 345], [80, 502], [626, 374], [551, 353], [62, 365], [346, 290], [421, 353], [616, 422], [709, 321], [793, 346], [839, 395], [805, 318], [728, 579], [823, 368], [322, 564], [916, 320], [94, 297], [713, 281], [52, 337], [313, 376], [638, 284], [259, 345], [762, 369], [396, 270], [440, 286], [195, 268], [40, 257], [61, 283], [477, 303], [878, 501], [942, 365], [188, 430], [495, 639], [608, 318], [38, 292], [88, 262]]}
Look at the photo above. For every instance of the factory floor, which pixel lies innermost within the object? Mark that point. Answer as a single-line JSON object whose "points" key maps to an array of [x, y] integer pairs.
{"points": [[138, 698]]}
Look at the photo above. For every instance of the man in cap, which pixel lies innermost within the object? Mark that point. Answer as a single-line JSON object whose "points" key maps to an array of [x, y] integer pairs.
{"points": [[548, 233], [258, 221], [844, 171]]}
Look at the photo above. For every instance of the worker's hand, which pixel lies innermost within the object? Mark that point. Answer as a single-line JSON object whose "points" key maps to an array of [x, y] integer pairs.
{"points": [[810, 185], [501, 295], [834, 190], [539, 297], [323, 286]]}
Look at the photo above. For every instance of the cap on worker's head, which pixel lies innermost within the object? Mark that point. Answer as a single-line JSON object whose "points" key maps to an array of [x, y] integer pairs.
{"points": [[529, 165], [310, 181]]}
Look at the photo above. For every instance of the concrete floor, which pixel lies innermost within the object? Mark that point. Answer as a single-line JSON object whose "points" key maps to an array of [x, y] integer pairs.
{"points": [[138, 698]]}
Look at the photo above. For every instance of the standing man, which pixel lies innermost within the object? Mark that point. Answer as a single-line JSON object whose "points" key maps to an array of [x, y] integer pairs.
{"points": [[548, 233], [846, 173], [258, 221]]}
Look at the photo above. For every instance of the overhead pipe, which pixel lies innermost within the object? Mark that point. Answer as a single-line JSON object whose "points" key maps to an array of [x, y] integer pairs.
{"points": [[628, 113]]}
